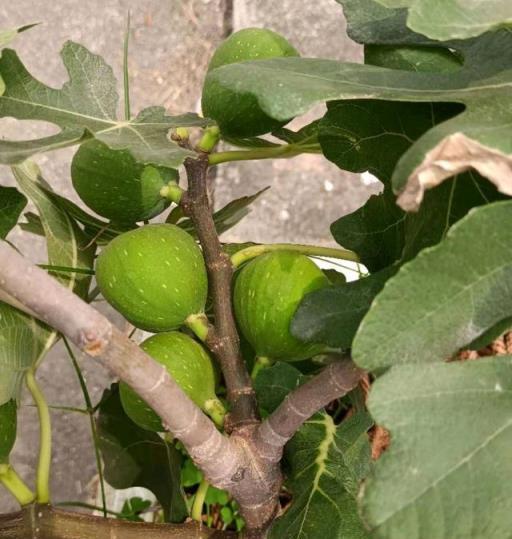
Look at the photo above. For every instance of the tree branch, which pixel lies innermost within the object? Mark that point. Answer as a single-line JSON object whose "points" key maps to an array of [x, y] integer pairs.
{"points": [[44, 521], [223, 340], [216, 455], [333, 382]]}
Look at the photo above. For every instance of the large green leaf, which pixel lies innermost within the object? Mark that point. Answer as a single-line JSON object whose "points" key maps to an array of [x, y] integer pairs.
{"points": [[84, 107], [448, 472], [325, 465], [137, 457], [332, 315], [23, 340], [454, 19], [480, 137], [12, 203], [373, 135], [446, 297]]}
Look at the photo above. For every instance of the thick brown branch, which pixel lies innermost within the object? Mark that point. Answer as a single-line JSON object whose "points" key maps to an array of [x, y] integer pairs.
{"points": [[333, 382], [48, 523], [54, 304], [223, 340]]}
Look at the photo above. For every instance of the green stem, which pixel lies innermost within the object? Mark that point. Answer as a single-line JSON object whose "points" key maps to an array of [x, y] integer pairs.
{"points": [[215, 409], [311, 250], [197, 508], [126, 75], [71, 409], [45, 439], [209, 140], [260, 364], [15, 485], [274, 152], [172, 191], [94, 433], [198, 323]]}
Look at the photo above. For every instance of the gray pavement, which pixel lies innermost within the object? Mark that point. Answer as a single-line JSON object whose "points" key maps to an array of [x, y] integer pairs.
{"points": [[171, 42]]}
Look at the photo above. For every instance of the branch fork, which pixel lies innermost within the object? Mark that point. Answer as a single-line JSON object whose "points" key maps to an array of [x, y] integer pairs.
{"points": [[247, 462]]}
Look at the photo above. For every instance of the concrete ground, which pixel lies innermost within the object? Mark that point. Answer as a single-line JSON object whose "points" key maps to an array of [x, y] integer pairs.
{"points": [[171, 42]]}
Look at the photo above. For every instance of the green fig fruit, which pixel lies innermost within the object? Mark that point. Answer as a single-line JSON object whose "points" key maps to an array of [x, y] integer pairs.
{"points": [[154, 276], [267, 292], [7, 429], [239, 115], [190, 366], [114, 185]]}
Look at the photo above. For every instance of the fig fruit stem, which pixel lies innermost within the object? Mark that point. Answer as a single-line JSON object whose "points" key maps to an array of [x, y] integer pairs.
{"points": [[260, 364], [197, 507], [172, 191], [274, 152], [15, 485], [198, 323], [45, 439], [209, 140], [309, 250], [215, 409]]}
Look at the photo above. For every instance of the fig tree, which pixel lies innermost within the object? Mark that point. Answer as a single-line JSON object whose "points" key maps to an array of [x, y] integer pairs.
{"points": [[114, 185], [154, 276], [267, 292], [239, 115], [190, 366]]}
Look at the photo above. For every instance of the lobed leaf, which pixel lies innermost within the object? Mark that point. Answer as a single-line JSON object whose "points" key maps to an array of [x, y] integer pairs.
{"points": [[85, 107]]}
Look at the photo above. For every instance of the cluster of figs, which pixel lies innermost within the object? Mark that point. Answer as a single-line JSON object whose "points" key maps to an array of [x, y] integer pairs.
{"points": [[155, 275]]}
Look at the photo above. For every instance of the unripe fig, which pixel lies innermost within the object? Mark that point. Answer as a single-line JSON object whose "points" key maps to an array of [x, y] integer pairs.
{"points": [[267, 292], [239, 115], [190, 366], [114, 185], [154, 276]]}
